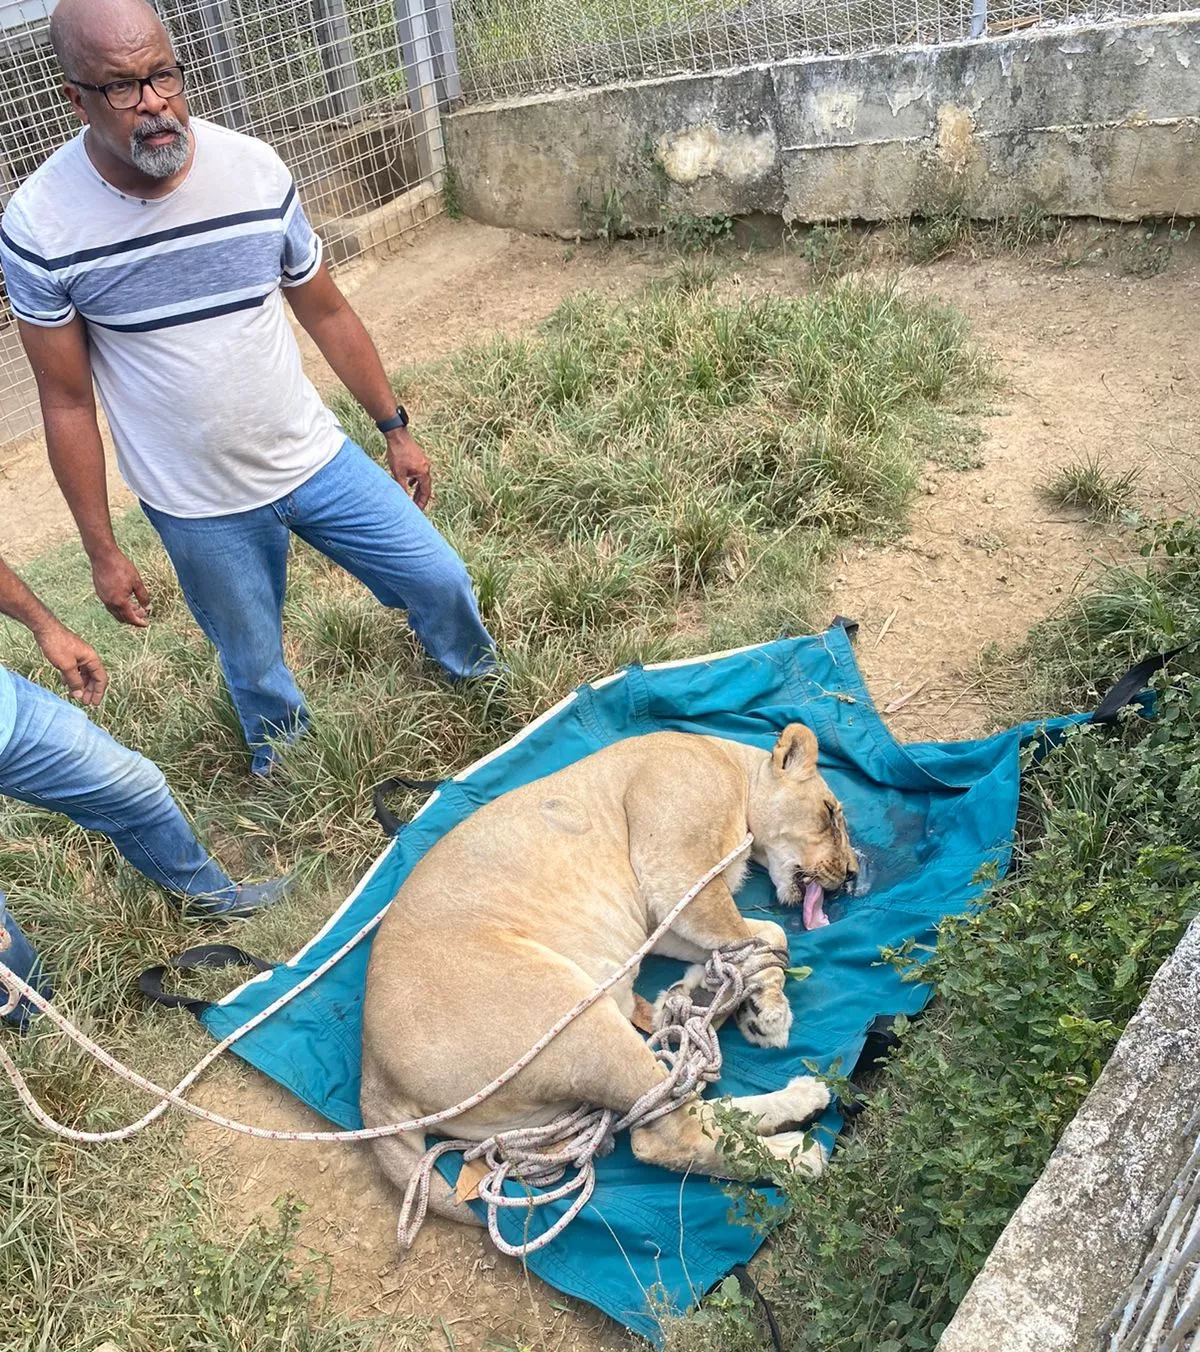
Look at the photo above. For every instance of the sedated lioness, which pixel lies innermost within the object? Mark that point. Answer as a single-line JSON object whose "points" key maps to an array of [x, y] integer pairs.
{"points": [[517, 914]]}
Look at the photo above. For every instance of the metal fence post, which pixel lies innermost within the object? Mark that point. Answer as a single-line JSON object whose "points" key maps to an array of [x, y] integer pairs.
{"points": [[979, 18], [418, 47], [445, 53], [337, 59], [217, 18]]}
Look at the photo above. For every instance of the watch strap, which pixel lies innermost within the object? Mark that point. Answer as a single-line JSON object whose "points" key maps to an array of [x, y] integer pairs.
{"points": [[391, 424]]}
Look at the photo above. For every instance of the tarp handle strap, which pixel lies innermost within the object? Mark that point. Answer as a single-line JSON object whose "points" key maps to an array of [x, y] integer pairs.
{"points": [[389, 823], [150, 983], [1132, 685], [750, 1288]]}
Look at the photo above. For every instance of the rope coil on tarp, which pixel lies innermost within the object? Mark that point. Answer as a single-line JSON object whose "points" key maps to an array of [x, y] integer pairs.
{"points": [[684, 1041]]}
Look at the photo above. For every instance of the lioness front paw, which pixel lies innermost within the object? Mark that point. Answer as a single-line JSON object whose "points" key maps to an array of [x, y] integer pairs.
{"points": [[765, 1017]]}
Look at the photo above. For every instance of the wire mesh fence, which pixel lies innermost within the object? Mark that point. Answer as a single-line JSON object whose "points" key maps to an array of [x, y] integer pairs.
{"points": [[348, 91], [514, 47], [1160, 1311]]}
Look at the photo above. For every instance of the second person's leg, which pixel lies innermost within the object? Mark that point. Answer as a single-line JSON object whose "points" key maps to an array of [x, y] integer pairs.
{"points": [[57, 758], [18, 955]]}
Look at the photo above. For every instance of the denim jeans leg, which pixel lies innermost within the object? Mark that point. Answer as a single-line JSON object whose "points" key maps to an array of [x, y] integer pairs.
{"points": [[57, 758], [357, 514], [233, 572], [17, 953]]}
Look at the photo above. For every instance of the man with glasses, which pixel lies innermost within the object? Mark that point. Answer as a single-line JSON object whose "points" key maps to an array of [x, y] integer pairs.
{"points": [[151, 254]]}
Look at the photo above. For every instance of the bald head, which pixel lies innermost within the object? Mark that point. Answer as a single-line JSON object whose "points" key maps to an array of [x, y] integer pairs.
{"points": [[89, 36], [126, 86]]}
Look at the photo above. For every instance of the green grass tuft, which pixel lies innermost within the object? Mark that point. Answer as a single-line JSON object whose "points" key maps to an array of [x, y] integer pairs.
{"points": [[953, 230], [451, 194], [691, 234], [1090, 486]]}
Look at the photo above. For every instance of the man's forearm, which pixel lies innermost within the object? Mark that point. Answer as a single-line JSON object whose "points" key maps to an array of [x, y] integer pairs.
{"points": [[19, 603], [77, 458], [77, 662], [327, 318], [347, 347]]}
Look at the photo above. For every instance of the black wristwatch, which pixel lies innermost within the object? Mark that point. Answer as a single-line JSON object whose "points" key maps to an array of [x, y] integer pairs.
{"points": [[391, 424]]}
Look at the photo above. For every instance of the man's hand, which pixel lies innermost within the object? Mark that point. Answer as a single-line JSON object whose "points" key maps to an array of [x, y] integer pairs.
{"points": [[409, 467], [119, 585], [78, 663]]}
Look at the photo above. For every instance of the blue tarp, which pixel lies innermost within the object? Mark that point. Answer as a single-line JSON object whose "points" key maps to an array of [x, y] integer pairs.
{"points": [[925, 817]]}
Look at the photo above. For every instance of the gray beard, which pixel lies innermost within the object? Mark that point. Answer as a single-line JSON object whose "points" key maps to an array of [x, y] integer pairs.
{"points": [[159, 161]]}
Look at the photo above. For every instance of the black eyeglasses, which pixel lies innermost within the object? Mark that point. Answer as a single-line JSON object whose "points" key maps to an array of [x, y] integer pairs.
{"points": [[122, 94]]}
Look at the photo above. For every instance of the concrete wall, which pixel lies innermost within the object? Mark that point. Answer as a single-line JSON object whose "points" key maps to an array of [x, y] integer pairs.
{"points": [[1069, 1253], [1096, 121]]}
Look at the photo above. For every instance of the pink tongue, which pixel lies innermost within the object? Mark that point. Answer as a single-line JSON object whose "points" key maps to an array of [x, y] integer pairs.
{"points": [[814, 907]]}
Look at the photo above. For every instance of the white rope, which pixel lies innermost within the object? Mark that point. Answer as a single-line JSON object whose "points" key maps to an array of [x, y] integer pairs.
{"points": [[685, 1043], [175, 1097]]}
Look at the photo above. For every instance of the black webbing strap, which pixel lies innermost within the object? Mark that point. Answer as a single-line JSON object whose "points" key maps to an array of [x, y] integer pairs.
{"points": [[150, 983], [881, 1040], [750, 1288], [389, 823], [1133, 685]]}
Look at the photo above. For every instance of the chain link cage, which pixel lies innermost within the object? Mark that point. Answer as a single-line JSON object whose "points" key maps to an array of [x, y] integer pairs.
{"points": [[508, 48]]}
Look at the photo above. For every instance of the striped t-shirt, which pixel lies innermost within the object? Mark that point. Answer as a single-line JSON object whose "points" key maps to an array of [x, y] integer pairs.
{"points": [[197, 368]]}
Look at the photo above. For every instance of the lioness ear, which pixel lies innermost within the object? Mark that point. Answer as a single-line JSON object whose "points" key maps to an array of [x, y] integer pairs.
{"points": [[795, 753]]}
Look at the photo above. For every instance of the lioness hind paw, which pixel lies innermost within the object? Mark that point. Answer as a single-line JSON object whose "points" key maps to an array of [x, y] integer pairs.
{"points": [[804, 1099], [689, 986]]}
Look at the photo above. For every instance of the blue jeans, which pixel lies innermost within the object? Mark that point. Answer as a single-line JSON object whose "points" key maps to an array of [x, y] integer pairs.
{"points": [[233, 572], [57, 758], [16, 952]]}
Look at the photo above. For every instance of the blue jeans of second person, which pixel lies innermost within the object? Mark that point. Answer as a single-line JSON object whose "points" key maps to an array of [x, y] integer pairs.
{"points": [[17, 954], [57, 758], [233, 573]]}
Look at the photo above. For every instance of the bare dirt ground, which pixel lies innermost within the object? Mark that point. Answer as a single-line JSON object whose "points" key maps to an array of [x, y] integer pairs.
{"points": [[1095, 363]]}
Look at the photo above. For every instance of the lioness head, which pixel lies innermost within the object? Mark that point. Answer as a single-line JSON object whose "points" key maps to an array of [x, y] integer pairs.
{"points": [[798, 826]]}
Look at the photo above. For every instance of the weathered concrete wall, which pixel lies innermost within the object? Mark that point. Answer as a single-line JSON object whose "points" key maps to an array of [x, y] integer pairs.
{"points": [[1077, 1240], [1101, 121]]}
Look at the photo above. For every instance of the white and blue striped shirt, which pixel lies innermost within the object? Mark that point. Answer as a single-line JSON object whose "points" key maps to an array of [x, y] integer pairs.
{"points": [[197, 368]]}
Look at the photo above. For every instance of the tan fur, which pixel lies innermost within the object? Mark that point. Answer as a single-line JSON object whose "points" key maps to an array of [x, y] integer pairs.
{"points": [[521, 910]]}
